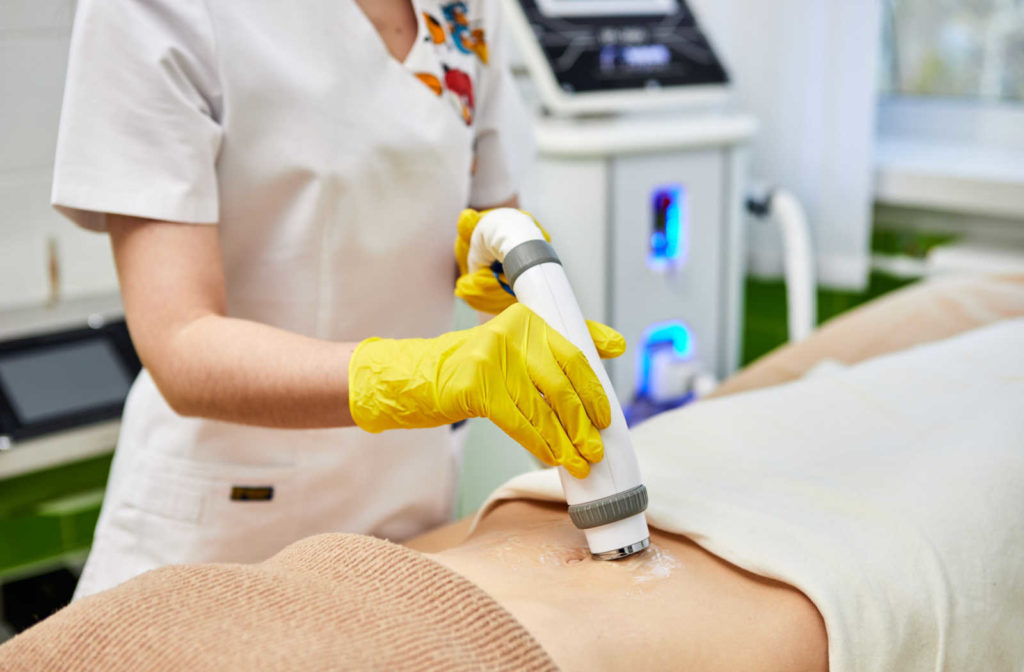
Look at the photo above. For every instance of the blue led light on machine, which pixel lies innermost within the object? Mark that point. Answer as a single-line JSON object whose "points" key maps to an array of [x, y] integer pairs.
{"points": [[665, 369], [659, 337], [668, 243]]}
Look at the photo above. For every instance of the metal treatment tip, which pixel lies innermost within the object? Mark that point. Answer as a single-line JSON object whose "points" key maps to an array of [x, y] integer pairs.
{"points": [[624, 552]]}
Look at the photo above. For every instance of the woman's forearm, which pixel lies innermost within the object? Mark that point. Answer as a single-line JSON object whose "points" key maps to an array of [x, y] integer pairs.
{"points": [[205, 363], [240, 371]]}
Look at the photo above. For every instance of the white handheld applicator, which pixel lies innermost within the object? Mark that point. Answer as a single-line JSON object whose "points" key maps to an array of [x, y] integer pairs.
{"points": [[608, 504]]}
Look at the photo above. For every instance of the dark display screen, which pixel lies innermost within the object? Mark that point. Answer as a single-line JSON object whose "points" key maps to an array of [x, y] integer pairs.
{"points": [[63, 379], [622, 51], [636, 58]]}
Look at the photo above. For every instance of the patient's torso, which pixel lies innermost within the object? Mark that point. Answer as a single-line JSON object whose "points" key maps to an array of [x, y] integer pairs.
{"points": [[673, 607]]}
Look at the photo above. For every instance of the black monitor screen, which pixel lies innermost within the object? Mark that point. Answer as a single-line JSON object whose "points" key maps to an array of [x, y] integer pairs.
{"points": [[63, 379], [616, 51]]}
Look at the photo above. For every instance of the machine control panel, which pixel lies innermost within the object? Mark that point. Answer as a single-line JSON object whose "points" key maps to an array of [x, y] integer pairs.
{"points": [[599, 45]]}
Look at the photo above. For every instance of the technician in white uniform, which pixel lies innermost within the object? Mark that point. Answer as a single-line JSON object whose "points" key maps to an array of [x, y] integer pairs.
{"points": [[280, 185]]}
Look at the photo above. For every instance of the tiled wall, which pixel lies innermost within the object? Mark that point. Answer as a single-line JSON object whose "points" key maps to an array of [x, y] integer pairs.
{"points": [[34, 37]]}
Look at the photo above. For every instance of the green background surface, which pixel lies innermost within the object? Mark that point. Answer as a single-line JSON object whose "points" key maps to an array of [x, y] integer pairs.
{"points": [[48, 516]]}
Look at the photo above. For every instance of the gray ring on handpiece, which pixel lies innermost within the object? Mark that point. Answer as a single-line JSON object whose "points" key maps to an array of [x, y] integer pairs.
{"points": [[527, 255], [609, 509]]}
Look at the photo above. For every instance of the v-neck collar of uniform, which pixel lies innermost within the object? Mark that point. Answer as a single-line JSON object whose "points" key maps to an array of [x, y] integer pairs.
{"points": [[379, 39]]}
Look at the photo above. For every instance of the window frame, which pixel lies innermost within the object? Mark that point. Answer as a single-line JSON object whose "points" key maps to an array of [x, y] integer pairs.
{"points": [[961, 121]]}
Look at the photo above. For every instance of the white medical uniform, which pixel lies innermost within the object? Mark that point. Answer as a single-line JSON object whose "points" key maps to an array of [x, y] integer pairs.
{"points": [[335, 175]]}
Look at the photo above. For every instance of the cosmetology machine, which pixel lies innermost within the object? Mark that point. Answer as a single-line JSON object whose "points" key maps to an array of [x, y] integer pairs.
{"points": [[641, 175], [65, 371], [608, 505]]}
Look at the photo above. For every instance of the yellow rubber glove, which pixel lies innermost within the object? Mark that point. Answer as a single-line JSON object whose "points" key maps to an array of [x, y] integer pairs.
{"points": [[484, 291], [514, 369]]}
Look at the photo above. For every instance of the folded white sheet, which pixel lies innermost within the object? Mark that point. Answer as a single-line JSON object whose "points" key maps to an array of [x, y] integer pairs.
{"points": [[891, 493]]}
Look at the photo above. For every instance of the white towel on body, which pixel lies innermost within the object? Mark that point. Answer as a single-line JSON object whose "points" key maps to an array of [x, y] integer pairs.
{"points": [[891, 493]]}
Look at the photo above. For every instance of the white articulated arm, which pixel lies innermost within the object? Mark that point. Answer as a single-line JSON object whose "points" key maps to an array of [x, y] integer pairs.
{"points": [[799, 264]]}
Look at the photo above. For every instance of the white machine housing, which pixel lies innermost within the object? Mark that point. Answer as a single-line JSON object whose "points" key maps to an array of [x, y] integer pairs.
{"points": [[593, 184], [652, 121]]}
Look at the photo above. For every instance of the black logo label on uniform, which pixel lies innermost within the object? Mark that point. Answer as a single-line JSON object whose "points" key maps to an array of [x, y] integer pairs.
{"points": [[252, 493]]}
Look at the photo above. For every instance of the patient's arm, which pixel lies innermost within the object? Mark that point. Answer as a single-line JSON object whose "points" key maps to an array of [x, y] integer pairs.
{"points": [[674, 607]]}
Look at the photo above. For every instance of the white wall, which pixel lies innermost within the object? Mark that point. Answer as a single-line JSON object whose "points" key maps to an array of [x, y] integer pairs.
{"points": [[808, 69], [34, 36]]}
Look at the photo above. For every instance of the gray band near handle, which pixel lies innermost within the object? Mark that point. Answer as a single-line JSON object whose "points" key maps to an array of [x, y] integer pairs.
{"points": [[527, 255], [609, 509]]}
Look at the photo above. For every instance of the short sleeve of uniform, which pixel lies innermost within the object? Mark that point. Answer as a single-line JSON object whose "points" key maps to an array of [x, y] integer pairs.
{"points": [[504, 132], [138, 130]]}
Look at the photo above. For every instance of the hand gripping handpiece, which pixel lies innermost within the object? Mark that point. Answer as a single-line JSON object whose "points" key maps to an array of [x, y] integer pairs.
{"points": [[608, 505]]}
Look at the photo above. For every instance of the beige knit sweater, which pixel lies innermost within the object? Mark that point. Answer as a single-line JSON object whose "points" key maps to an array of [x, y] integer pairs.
{"points": [[331, 602]]}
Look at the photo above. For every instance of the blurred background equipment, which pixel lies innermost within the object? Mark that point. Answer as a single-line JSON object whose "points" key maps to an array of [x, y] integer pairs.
{"points": [[640, 173]]}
